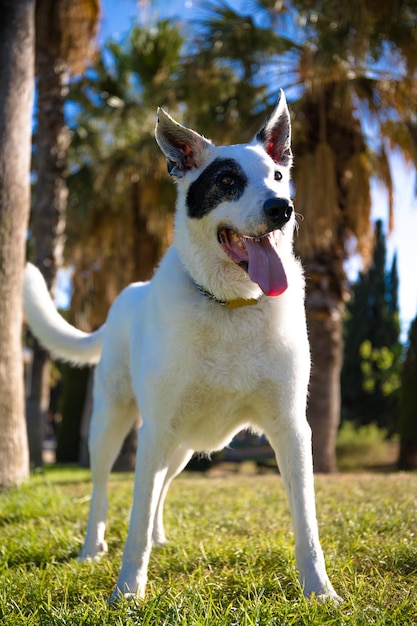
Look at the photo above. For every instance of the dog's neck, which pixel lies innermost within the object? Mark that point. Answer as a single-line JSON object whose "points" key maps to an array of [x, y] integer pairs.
{"points": [[228, 304]]}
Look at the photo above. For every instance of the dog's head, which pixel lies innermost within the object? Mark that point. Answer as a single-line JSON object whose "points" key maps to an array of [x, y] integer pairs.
{"points": [[235, 219]]}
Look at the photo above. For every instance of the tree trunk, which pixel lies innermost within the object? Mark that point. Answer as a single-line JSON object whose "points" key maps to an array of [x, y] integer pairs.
{"points": [[408, 405], [16, 96], [332, 192], [84, 454], [49, 206], [146, 245], [146, 251], [37, 402], [52, 139], [324, 306], [72, 400]]}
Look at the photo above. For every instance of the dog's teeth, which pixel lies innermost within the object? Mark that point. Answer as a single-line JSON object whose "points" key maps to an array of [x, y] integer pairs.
{"points": [[237, 240], [241, 243]]}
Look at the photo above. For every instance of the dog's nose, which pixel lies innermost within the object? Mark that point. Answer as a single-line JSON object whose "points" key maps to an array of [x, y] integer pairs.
{"points": [[278, 211]]}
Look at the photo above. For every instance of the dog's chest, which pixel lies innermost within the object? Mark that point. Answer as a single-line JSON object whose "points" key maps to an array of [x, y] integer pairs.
{"points": [[206, 417], [215, 382], [206, 372], [225, 354]]}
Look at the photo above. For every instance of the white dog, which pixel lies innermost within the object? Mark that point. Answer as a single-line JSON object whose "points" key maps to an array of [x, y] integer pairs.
{"points": [[214, 343]]}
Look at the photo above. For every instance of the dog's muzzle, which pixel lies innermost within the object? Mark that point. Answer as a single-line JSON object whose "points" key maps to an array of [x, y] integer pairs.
{"points": [[278, 212]]}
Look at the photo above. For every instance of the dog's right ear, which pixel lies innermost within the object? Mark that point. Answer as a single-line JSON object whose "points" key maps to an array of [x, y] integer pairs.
{"points": [[275, 136], [184, 148]]}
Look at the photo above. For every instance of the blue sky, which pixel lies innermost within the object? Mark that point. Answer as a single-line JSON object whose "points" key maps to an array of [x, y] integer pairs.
{"points": [[117, 17]]}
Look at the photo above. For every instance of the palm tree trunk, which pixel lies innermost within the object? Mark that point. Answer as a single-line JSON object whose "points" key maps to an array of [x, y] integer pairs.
{"points": [[37, 403], [324, 156], [16, 94], [146, 246], [48, 211], [408, 404], [146, 250], [324, 306]]}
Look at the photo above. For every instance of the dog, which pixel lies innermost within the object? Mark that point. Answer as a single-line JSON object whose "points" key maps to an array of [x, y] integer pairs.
{"points": [[215, 343]]}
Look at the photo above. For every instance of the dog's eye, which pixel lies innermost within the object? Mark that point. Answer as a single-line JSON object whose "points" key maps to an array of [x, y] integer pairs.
{"points": [[227, 180], [278, 175]]}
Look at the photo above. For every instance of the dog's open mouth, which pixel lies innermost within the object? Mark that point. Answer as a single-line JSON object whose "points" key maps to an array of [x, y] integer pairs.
{"points": [[258, 256]]}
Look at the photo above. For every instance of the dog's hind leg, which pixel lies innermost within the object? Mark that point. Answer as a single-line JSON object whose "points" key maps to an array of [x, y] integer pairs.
{"points": [[178, 461], [110, 424], [292, 446]]}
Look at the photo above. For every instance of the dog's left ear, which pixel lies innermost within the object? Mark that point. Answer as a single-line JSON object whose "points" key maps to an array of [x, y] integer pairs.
{"points": [[275, 136], [184, 148]]}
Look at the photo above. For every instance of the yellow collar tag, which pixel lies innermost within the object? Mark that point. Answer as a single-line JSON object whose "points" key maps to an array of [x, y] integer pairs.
{"points": [[239, 302], [232, 304]]}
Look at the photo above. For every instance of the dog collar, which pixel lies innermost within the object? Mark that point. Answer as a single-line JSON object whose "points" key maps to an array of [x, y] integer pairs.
{"points": [[228, 304]]}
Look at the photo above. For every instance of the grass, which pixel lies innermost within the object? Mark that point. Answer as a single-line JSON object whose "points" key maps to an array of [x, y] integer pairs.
{"points": [[230, 560]]}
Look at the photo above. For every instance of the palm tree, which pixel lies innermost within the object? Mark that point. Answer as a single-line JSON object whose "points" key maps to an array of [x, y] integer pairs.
{"points": [[119, 194], [348, 67], [121, 199], [64, 32], [17, 40]]}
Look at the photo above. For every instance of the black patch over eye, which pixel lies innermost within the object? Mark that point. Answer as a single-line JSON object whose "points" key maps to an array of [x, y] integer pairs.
{"points": [[277, 175], [222, 181]]}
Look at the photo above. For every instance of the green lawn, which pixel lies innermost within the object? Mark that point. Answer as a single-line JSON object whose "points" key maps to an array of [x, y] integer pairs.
{"points": [[230, 560]]}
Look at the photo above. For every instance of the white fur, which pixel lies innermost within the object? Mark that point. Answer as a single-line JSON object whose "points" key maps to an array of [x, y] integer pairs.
{"points": [[199, 372], [62, 339]]}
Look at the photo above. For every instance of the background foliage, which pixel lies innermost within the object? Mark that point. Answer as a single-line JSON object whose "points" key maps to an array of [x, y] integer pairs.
{"points": [[350, 74], [372, 355]]}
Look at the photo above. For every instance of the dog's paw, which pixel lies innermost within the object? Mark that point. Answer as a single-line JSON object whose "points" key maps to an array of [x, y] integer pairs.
{"points": [[159, 541], [329, 596], [93, 553], [119, 596], [322, 591]]}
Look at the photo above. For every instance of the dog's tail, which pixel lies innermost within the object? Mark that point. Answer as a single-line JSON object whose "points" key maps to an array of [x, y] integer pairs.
{"points": [[63, 340]]}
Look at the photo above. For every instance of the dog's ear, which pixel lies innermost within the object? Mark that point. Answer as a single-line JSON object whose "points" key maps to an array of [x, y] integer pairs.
{"points": [[275, 136], [184, 148]]}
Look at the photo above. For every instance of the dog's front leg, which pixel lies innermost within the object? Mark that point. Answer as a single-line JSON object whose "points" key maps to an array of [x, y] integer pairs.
{"points": [[151, 469], [292, 445]]}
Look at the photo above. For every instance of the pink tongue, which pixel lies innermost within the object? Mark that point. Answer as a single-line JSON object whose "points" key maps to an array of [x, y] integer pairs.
{"points": [[265, 267]]}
